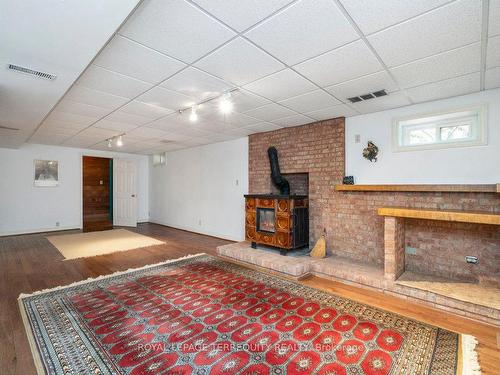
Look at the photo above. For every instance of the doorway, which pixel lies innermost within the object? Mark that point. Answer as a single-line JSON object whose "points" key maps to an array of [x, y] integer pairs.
{"points": [[97, 193], [125, 193]]}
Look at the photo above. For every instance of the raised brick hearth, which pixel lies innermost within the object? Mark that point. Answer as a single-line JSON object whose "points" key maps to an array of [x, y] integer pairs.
{"points": [[355, 232], [355, 272]]}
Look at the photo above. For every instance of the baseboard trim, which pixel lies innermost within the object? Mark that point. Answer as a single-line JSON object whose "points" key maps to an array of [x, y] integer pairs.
{"points": [[191, 230], [38, 231]]}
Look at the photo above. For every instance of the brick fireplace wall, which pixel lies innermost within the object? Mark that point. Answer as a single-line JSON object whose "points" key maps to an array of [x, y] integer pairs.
{"points": [[353, 227], [317, 149]]}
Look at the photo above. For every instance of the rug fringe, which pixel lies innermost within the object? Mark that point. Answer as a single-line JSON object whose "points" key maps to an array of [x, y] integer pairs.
{"points": [[470, 363], [90, 279]]}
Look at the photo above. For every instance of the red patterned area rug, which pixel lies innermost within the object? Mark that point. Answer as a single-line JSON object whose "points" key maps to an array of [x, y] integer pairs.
{"points": [[202, 315]]}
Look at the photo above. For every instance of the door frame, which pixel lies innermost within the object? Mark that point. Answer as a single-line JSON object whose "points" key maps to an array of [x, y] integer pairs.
{"points": [[136, 188], [96, 155], [82, 155]]}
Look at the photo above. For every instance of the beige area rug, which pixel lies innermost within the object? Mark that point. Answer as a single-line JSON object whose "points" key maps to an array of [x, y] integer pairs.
{"points": [[83, 245]]}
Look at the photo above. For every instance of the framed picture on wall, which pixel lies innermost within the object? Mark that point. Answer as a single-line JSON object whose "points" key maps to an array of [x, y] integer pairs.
{"points": [[46, 173]]}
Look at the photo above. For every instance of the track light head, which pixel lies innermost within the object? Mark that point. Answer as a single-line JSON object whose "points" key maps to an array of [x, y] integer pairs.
{"points": [[193, 116], [225, 103]]}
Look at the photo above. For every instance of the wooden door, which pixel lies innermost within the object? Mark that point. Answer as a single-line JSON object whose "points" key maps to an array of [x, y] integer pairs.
{"points": [[124, 193], [97, 202]]}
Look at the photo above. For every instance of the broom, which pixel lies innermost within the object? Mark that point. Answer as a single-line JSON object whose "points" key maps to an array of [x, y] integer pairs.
{"points": [[319, 250]]}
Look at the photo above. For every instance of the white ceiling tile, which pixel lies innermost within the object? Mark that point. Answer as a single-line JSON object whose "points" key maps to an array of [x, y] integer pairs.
{"points": [[149, 133], [197, 84], [340, 110], [454, 25], [113, 125], [281, 85], [137, 61], [167, 147], [258, 128], [234, 118], [311, 101], [494, 20], [173, 121], [194, 142], [162, 97], [179, 125], [127, 118], [492, 78], [129, 139], [304, 30], [208, 127], [445, 89], [43, 129], [52, 122], [82, 109], [79, 141], [294, 120], [146, 110], [445, 65], [114, 83], [345, 63], [393, 100], [98, 133], [58, 37], [93, 97], [239, 62], [245, 14], [176, 28], [372, 15], [493, 52], [263, 127], [52, 139], [244, 100], [270, 112], [70, 118], [363, 85]]}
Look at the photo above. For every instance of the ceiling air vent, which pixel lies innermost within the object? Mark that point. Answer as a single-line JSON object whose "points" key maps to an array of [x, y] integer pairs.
{"points": [[32, 72], [371, 95]]}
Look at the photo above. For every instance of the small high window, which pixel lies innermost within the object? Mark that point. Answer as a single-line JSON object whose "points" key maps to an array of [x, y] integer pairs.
{"points": [[460, 128], [159, 159]]}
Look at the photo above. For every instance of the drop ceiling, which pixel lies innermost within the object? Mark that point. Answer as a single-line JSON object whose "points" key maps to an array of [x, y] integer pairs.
{"points": [[291, 63]]}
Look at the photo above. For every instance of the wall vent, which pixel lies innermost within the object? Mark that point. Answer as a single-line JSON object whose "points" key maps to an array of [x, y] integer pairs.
{"points": [[371, 95], [32, 72]]}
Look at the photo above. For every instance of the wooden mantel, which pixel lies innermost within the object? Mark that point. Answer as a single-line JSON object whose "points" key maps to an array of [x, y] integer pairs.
{"points": [[431, 188], [444, 215]]}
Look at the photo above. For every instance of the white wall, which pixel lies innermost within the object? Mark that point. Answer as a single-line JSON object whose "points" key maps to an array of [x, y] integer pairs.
{"points": [[201, 189], [25, 208], [464, 165]]}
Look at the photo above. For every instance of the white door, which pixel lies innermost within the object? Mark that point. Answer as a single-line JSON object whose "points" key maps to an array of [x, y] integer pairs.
{"points": [[124, 193]]}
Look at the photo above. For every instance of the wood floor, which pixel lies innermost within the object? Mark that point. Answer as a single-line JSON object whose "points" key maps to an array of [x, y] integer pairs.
{"points": [[29, 263]]}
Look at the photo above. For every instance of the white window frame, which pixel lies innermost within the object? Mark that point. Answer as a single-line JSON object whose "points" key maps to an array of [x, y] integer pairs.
{"points": [[480, 131]]}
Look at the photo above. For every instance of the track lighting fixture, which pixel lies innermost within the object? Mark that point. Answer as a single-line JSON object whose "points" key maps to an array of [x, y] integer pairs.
{"points": [[225, 103], [193, 116], [110, 143], [119, 141]]}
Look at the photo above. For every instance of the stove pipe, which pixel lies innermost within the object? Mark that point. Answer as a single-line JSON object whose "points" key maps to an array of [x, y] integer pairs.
{"points": [[278, 180]]}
